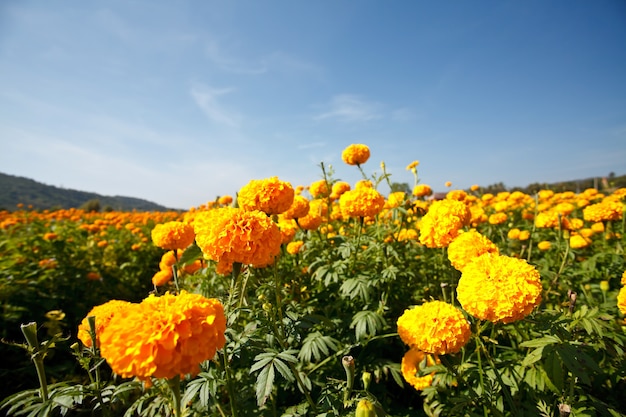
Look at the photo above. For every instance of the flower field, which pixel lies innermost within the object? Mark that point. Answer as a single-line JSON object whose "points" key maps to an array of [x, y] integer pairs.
{"points": [[329, 299]]}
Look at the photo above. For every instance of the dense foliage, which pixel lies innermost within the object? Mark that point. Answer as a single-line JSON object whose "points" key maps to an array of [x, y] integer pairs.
{"points": [[342, 303]]}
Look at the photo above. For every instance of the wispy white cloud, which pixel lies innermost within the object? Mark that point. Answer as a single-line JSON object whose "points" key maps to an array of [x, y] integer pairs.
{"points": [[228, 63], [351, 108], [207, 98]]}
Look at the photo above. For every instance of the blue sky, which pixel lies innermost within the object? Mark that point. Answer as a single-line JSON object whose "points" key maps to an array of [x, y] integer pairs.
{"points": [[179, 102]]}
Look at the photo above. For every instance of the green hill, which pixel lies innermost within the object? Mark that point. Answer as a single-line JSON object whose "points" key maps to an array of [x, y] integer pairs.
{"points": [[14, 190]]}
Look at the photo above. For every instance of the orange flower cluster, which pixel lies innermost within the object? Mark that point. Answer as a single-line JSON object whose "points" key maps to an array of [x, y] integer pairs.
{"points": [[604, 211], [318, 189], [338, 189], [411, 364], [163, 337], [271, 196], [442, 222], [422, 190], [229, 235], [299, 208], [467, 246], [173, 235], [499, 288], [103, 314], [361, 202], [356, 154], [434, 327]]}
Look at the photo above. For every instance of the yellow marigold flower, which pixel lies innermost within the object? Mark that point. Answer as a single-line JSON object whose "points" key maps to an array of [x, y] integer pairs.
{"points": [[294, 248], [544, 245], [173, 235], [288, 229], [363, 184], [162, 277], [598, 227], [50, 236], [550, 219], [434, 327], [406, 234], [623, 281], [579, 241], [339, 188], [459, 195], [225, 200], [524, 235], [103, 314], [422, 190], [442, 222], [271, 196], [318, 189], [586, 232], [475, 187], [604, 211], [163, 337], [497, 218], [235, 235], [412, 165], [299, 208], [621, 300], [575, 224], [513, 234], [564, 208], [411, 364], [499, 288], [467, 246], [355, 154], [395, 199], [361, 202]]}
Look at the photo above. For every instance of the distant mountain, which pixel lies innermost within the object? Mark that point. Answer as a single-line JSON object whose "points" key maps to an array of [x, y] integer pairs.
{"points": [[14, 190]]}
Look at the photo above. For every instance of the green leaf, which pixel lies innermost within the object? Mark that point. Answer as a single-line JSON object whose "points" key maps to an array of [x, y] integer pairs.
{"points": [[366, 324], [533, 356], [541, 342], [264, 384]]}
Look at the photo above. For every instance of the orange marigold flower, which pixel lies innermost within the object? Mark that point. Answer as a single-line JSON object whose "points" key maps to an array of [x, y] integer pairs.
{"points": [[441, 224], [162, 277], [621, 300], [288, 229], [271, 196], [311, 221], [448, 184], [103, 314], [499, 288], [434, 327], [173, 235], [299, 208], [422, 190], [579, 242], [294, 248], [475, 187], [318, 189], [604, 211], [468, 246], [395, 199], [339, 188], [163, 337], [50, 236], [235, 235], [524, 235], [551, 219], [412, 165], [102, 244], [544, 245], [513, 234], [497, 218], [225, 200], [411, 364], [361, 202], [355, 154]]}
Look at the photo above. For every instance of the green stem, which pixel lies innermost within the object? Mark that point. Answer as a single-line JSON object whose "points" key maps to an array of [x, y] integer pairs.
{"points": [[174, 384], [37, 354], [480, 373]]}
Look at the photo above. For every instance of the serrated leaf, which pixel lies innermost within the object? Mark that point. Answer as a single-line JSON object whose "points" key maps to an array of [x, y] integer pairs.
{"points": [[283, 369], [533, 356], [264, 384], [541, 342]]}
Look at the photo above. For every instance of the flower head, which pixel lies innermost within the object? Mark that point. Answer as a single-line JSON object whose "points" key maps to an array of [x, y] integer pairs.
{"points": [[499, 288], [163, 337], [467, 246], [604, 211], [103, 314], [173, 235], [411, 364], [299, 208], [434, 327], [355, 154], [318, 189], [422, 190], [442, 222], [271, 196], [361, 202]]}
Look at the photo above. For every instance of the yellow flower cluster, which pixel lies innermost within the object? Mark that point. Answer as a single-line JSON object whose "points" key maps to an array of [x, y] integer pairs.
{"points": [[604, 211], [361, 202], [299, 208], [422, 190], [467, 246], [442, 222], [411, 364], [103, 314], [434, 327], [229, 235], [173, 235], [355, 154], [499, 288], [163, 337], [318, 189], [271, 196]]}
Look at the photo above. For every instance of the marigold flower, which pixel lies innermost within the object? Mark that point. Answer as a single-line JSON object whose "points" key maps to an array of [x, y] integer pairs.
{"points": [[299, 208], [395, 199], [513, 234], [604, 211], [173, 235], [50, 236], [475, 187], [412, 165], [499, 288], [579, 241], [448, 184], [434, 327], [355, 154], [422, 190], [235, 235], [103, 314], [361, 202], [338, 189], [524, 235], [271, 196], [544, 245], [621, 300], [441, 224], [597, 227], [163, 337], [162, 277], [623, 280], [225, 200], [551, 219], [294, 248], [467, 246], [288, 229], [410, 366], [497, 218], [318, 189]]}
